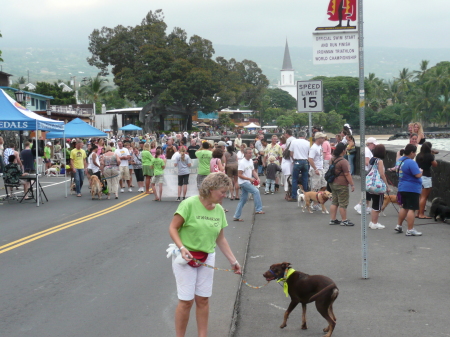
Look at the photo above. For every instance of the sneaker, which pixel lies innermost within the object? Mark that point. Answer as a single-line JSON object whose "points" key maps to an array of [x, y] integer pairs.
{"points": [[413, 232], [368, 210], [178, 199], [358, 208], [398, 229], [122, 190], [335, 222], [184, 198], [267, 192], [347, 223], [130, 190], [316, 208], [375, 226], [272, 192]]}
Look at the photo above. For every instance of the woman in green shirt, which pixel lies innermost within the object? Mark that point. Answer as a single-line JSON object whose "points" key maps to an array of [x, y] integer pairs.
{"points": [[147, 170], [158, 166], [196, 228]]}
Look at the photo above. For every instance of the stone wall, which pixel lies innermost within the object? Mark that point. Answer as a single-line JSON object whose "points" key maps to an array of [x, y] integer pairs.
{"points": [[440, 174]]}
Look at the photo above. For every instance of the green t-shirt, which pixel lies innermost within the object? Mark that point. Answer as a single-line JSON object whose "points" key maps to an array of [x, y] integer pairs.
{"points": [[47, 152], [204, 158], [201, 227], [146, 158], [158, 164], [78, 157]]}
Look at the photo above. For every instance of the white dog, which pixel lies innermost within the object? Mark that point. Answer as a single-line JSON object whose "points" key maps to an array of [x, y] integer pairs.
{"points": [[300, 199], [51, 172]]}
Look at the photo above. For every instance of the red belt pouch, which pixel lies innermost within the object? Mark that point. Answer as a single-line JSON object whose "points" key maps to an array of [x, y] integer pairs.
{"points": [[201, 256]]}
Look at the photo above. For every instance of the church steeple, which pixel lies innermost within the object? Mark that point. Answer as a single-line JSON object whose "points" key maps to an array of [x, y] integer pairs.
{"points": [[287, 65]]}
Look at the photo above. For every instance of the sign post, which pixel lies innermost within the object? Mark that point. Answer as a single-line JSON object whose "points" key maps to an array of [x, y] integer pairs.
{"points": [[310, 98]]}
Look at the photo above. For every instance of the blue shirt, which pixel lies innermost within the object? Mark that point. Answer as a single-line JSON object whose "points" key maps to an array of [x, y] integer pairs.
{"points": [[407, 180]]}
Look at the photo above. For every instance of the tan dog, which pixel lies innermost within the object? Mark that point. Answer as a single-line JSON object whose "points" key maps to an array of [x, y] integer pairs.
{"points": [[318, 197], [96, 186], [73, 188], [387, 200]]}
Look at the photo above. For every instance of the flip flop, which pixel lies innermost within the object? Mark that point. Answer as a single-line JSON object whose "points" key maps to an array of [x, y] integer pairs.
{"points": [[239, 220], [78, 195], [225, 210], [425, 218], [260, 212], [237, 199]]}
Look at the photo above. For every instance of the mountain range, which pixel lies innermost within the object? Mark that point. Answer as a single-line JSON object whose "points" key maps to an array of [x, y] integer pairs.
{"points": [[53, 63]]}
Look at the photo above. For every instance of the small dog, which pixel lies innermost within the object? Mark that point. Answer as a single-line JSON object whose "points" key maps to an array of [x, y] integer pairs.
{"points": [[300, 198], [53, 171], [435, 203], [304, 289], [319, 197], [73, 188], [388, 199], [96, 187]]}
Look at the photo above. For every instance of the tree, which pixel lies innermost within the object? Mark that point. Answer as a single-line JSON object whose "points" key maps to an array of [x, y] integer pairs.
{"points": [[115, 125], [172, 70], [285, 121], [281, 99], [225, 121], [93, 90], [59, 97]]}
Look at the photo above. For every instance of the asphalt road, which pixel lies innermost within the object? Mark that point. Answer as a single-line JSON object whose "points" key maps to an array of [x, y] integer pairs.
{"points": [[82, 267]]}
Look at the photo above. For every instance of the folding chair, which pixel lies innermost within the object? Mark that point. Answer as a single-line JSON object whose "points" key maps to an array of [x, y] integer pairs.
{"points": [[9, 195]]}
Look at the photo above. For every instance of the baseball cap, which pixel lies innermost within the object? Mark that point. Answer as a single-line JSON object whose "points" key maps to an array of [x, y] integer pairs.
{"points": [[222, 143], [48, 143], [372, 140], [319, 135]]}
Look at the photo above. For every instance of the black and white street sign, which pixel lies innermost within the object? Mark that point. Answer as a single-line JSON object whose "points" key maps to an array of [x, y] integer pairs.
{"points": [[309, 96]]}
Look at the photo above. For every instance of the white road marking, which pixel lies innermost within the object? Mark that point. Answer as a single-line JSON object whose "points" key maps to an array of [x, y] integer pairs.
{"points": [[278, 307], [52, 184]]}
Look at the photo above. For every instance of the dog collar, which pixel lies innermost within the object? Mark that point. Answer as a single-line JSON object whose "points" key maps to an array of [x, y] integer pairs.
{"points": [[287, 273]]}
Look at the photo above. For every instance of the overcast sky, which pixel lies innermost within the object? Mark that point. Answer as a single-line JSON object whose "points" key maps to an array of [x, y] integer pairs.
{"points": [[390, 23]]}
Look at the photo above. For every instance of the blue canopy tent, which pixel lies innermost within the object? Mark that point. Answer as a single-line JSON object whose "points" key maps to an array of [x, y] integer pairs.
{"points": [[15, 117], [77, 128], [131, 127]]}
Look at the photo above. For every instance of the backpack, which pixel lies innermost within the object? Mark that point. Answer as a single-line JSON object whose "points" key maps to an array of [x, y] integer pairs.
{"points": [[331, 173], [213, 167], [287, 152], [374, 183]]}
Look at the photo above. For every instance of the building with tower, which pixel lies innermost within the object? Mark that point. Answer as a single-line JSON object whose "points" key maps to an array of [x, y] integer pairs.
{"points": [[287, 81]]}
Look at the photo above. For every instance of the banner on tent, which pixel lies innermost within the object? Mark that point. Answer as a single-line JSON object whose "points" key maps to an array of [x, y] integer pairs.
{"points": [[48, 126], [13, 125], [170, 186]]}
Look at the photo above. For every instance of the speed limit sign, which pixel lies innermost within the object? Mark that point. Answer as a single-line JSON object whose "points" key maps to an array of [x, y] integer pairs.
{"points": [[309, 96]]}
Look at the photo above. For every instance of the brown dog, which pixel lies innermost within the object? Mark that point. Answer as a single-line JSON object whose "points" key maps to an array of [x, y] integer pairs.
{"points": [[387, 200], [96, 186], [319, 197], [304, 288]]}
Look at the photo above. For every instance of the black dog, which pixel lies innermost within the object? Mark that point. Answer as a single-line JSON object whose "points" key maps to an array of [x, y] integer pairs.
{"points": [[439, 209]]}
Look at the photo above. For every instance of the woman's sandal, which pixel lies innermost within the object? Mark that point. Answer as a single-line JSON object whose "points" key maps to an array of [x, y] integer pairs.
{"points": [[239, 220]]}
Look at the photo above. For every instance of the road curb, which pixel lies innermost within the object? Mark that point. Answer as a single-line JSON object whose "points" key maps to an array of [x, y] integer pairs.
{"points": [[237, 300]]}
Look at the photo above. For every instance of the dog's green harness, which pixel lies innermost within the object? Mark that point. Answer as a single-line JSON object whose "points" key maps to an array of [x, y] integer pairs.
{"points": [[288, 272]]}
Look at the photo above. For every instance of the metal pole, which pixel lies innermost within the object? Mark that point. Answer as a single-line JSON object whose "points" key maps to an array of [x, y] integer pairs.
{"points": [[310, 124], [37, 165], [65, 160], [362, 139]]}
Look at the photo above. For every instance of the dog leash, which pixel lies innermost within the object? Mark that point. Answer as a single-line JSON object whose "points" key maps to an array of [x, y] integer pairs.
{"points": [[215, 268]]}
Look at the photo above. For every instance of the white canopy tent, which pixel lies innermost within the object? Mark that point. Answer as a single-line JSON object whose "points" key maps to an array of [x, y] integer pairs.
{"points": [[270, 127], [252, 126]]}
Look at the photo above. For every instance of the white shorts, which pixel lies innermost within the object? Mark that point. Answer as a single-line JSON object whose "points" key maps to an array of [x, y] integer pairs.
{"points": [[426, 182], [317, 180], [194, 281]]}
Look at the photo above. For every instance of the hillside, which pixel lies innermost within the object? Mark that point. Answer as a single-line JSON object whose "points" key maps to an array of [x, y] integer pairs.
{"points": [[50, 64]]}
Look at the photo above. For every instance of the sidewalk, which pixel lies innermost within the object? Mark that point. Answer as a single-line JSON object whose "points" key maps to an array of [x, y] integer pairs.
{"points": [[406, 293]]}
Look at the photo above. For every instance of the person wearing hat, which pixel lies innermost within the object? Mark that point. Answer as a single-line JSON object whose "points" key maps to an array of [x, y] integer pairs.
{"points": [[371, 142], [48, 155], [315, 159]]}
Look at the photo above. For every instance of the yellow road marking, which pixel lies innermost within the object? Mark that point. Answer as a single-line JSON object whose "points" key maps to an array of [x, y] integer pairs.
{"points": [[58, 228]]}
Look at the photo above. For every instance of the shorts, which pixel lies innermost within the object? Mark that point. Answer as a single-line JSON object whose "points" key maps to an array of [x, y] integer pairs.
{"points": [[183, 179], [47, 160], [231, 170], [341, 195], [139, 175], [377, 201], [427, 182], [369, 196], [124, 172], [410, 200], [317, 180], [194, 281], [158, 179], [200, 179]]}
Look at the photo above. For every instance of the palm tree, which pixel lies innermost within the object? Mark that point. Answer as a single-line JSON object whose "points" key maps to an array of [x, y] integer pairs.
{"points": [[419, 74], [94, 89], [404, 83]]}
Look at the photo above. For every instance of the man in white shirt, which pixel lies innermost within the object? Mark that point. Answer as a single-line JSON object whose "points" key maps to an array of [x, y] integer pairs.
{"points": [[124, 171], [246, 176], [315, 159], [299, 153], [370, 145]]}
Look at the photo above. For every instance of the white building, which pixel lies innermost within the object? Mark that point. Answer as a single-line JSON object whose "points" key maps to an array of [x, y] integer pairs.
{"points": [[287, 81]]}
